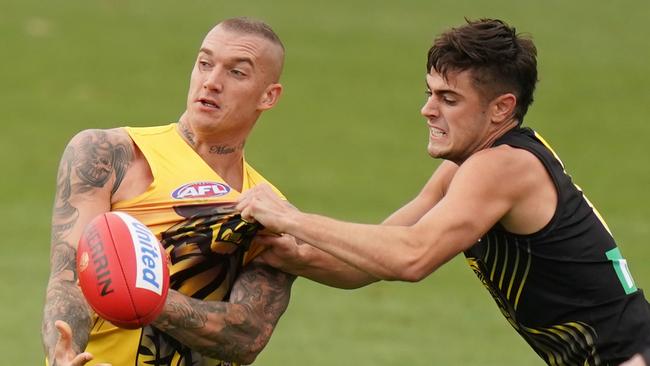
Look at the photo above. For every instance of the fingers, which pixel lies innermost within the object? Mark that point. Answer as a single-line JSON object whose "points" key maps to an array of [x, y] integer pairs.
{"points": [[276, 241], [63, 349], [81, 359], [65, 335], [262, 205]]}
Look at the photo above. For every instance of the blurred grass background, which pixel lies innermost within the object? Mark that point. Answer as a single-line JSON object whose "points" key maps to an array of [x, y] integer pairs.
{"points": [[346, 140]]}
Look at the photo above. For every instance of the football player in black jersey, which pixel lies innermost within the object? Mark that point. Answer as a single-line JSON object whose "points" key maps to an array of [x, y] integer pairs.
{"points": [[501, 197]]}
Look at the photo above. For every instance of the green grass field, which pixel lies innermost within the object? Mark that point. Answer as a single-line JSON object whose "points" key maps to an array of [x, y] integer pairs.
{"points": [[346, 140]]}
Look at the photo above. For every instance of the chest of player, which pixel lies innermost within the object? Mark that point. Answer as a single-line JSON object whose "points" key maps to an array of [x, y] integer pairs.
{"points": [[207, 250]]}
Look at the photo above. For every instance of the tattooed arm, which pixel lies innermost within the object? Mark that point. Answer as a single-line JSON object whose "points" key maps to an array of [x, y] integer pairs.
{"points": [[91, 169], [235, 331]]}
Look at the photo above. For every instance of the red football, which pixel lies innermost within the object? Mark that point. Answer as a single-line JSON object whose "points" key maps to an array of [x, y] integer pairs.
{"points": [[122, 270]]}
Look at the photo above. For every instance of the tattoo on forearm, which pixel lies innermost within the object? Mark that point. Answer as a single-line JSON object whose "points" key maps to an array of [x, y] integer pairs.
{"points": [[64, 301], [181, 315], [236, 329], [63, 259]]}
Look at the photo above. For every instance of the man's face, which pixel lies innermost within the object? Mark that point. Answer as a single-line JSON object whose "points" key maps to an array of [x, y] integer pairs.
{"points": [[230, 80], [457, 116]]}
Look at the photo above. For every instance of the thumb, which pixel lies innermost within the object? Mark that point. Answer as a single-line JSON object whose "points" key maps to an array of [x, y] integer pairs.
{"points": [[65, 333]]}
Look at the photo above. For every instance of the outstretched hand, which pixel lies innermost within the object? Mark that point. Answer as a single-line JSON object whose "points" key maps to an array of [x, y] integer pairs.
{"points": [[263, 205], [64, 353]]}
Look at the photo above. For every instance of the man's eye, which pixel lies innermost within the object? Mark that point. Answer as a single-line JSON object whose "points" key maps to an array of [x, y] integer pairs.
{"points": [[449, 101], [237, 72], [428, 93], [204, 64]]}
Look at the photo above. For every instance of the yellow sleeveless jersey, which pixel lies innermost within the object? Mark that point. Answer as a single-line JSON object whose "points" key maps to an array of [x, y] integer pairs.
{"points": [[190, 209]]}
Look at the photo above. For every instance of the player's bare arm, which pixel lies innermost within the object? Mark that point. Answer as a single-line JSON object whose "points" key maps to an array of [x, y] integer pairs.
{"points": [[475, 200], [429, 196], [237, 330], [288, 254], [92, 167], [285, 253]]}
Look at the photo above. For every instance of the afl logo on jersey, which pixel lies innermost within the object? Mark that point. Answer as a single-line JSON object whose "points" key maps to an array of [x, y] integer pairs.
{"points": [[200, 190]]}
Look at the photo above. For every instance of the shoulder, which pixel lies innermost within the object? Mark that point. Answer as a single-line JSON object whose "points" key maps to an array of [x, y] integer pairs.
{"points": [[98, 158], [114, 136], [109, 148], [501, 159], [503, 168]]}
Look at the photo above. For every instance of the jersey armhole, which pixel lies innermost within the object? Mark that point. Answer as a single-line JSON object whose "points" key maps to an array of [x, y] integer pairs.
{"points": [[154, 181]]}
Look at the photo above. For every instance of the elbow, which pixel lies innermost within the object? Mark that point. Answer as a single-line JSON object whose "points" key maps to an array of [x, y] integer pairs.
{"points": [[244, 353], [247, 358], [254, 348], [411, 268], [243, 347], [250, 350], [411, 275]]}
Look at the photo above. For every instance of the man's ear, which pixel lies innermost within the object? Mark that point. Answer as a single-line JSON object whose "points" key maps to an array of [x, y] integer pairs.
{"points": [[503, 107], [270, 97]]}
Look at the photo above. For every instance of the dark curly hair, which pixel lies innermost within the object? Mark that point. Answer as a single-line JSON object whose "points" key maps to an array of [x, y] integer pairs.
{"points": [[500, 60]]}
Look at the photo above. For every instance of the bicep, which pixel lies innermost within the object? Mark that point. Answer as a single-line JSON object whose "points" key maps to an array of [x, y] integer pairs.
{"points": [[85, 179], [263, 289], [475, 201]]}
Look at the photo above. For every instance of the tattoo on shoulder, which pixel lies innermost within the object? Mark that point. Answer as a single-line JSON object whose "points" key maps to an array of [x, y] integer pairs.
{"points": [[99, 158]]}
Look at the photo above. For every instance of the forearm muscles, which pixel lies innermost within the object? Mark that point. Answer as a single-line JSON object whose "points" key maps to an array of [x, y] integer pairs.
{"points": [[215, 329], [232, 331], [385, 252], [324, 268], [64, 301]]}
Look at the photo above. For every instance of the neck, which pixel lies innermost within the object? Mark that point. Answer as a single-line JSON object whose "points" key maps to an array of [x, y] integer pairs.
{"points": [[498, 132], [223, 153], [489, 140]]}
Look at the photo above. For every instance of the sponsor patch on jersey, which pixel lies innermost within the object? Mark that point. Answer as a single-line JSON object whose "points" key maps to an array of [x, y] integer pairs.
{"points": [[200, 190], [148, 255]]}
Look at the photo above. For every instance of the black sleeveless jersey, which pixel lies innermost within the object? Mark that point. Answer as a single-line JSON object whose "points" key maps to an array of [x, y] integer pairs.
{"points": [[566, 288]]}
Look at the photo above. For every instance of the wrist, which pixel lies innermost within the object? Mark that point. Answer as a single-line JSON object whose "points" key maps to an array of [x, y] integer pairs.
{"points": [[290, 222]]}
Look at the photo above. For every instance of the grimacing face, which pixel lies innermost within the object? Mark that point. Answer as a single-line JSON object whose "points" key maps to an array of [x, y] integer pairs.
{"points": [[233, 80], [457, 116]]}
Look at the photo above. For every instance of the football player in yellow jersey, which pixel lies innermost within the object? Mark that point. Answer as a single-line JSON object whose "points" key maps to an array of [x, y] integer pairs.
{"points": [[223, 303], [501, 197]]}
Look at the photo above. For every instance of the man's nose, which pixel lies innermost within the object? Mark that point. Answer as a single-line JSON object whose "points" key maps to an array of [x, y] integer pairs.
{"points": [[213, 80], [430, 108]]}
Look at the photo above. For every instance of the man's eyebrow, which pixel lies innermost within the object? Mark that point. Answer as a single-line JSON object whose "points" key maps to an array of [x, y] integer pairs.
{"points": [[445, 91], [246, 60], [236, 60], [206, 51], [442, 91]]}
